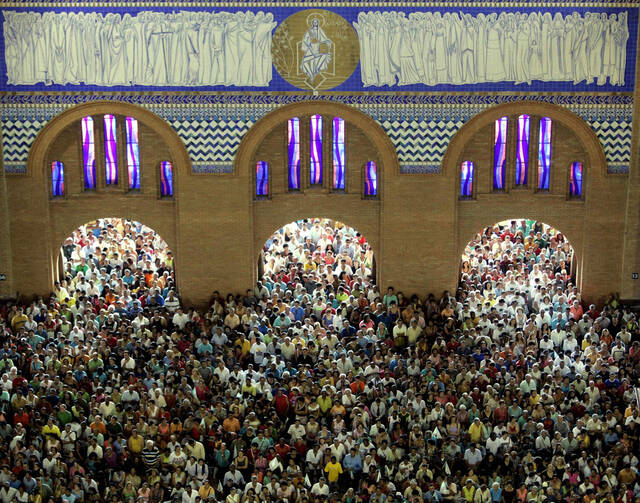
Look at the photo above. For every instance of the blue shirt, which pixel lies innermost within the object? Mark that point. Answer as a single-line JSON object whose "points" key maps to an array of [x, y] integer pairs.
{"points": [[353, 463]]}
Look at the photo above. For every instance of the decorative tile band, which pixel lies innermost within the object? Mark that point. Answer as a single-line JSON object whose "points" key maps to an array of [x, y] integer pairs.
{"points": [[201, 168], [15, 169], [617, 169], [419, 169]]}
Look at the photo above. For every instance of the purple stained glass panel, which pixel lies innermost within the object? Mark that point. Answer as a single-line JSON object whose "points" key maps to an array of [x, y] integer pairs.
{"points": [[293, 136], [57, 179], [110, 150], [88, 154], [522, 154], [371, 179], [166, 179], [338, 153], [544, 153], [466, 179], [500, 153], [262, 178], [575, 180], [133, 153], [316, 150]]}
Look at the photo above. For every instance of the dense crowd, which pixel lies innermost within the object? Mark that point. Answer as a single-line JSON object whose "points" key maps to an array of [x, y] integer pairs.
{"points": [[315, 386]]}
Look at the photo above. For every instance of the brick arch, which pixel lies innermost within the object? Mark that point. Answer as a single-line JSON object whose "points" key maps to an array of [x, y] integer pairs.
{"points": [[37, 154], [62, 217], [596, 162], [266, 124]]}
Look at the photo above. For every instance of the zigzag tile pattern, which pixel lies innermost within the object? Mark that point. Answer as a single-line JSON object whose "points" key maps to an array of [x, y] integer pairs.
{"points": [[212, 141], [18, 135]]}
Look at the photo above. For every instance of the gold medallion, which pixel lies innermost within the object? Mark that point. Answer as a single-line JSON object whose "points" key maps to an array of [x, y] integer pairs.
{"points": [[315, 49]]}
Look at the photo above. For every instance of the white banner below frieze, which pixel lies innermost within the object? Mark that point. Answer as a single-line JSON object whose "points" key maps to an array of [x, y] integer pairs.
{"points": [[433, 48], [151, 48]]}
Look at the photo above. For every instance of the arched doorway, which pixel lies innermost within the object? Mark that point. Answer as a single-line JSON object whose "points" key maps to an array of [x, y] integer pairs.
{"points": [[518, 263], [318, 250], [126, 254]]}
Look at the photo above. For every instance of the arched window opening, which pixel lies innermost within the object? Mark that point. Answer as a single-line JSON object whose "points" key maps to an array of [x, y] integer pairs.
{"points": [[466, 179], [57, 179], [315, 166], [133, 153], [262, 179], [318, 249], [522, 152], [500, 153], [575, 180], [293, 136], [338, 154], [166, 179], [132, 252], [88, 154], [517, 254], [110, 150], [544, 153]]}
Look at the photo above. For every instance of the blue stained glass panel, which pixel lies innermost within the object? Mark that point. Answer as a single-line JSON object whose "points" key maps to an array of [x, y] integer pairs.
{"points": [[293, 136], [315, 167], [575, 179], [466, 179], [338, 153], [522, 154], [133, 153], [110, 150], [500, 153], [544, 153], [88, 154], [371, 179], [166, 179], [57, 179], [262, 178]]}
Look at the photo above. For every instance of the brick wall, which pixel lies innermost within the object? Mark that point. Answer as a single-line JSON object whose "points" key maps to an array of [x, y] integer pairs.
{"points": [[417, 227]]}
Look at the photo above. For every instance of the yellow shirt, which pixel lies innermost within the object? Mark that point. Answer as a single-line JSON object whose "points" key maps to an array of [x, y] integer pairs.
{"points": [[46, 429], [475, 432], [333, 471], [135, 444], [324, 403]]}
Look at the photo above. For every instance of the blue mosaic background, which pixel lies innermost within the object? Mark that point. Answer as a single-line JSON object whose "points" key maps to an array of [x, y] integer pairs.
{"points": [[420, 126], [349, 11]]}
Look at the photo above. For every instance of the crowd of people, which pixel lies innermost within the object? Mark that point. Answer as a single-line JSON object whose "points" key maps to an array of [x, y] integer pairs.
{"points": [[314, 386]]}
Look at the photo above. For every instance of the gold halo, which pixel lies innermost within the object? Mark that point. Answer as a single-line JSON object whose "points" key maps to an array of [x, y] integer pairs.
{"points": [[316, 15]]}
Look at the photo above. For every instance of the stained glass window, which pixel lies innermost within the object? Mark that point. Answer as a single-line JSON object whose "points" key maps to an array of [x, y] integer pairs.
{"points": [[166, 179], [371, 179], [110, 150], [544, 153], [338, 153], [522, 155], [88, 153], [293, 135], [57, 179], [262, 178], [500, 153], [133, 153], [315, 166], [466, 179], [575, 179]]}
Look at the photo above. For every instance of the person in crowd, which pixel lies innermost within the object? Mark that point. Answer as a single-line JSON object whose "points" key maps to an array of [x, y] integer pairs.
{"points": [[316, 385]]}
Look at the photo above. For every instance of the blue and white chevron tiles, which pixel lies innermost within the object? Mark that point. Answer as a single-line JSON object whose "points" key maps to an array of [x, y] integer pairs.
{"points": [[420, 132]]}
